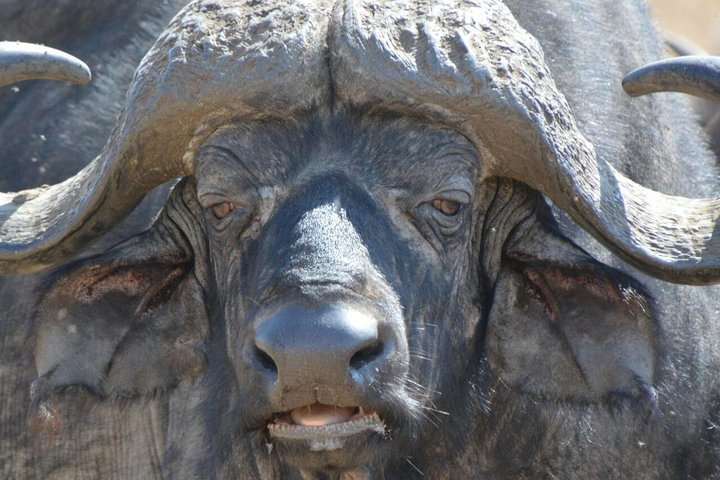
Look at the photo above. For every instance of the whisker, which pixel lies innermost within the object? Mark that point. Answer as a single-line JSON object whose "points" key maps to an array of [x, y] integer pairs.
{"points": [[425, 416], [421, 310], [421, 356], [419, 385], [415, 467], [422, 324], [434, 410]]}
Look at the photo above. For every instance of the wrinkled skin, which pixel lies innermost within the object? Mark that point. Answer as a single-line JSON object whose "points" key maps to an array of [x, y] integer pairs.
{"points": [[338, 209]]}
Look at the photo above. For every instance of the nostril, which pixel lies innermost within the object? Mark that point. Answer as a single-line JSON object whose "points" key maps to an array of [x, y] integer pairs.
{"points": [[265, 360], [366, 355]]}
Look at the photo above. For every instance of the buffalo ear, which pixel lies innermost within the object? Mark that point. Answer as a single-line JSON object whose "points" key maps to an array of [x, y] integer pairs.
{"points": [[570, 328], [128, 322]]}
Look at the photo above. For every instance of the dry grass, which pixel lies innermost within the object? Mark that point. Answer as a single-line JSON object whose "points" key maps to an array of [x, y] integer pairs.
{"points": [[698, 20]]}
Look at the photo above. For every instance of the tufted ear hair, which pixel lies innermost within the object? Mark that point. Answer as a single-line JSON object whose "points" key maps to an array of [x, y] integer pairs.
{"points": [[130, 321], [565, 327]]}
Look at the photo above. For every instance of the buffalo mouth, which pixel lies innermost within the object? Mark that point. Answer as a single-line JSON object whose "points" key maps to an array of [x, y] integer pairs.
{"points": [[324, 427]]}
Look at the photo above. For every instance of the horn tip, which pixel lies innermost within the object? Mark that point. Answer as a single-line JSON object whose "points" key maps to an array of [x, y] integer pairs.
{"points": [[25, 61]]}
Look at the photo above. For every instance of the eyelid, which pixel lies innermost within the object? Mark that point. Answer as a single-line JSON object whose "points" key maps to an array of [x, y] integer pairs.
{"points": [[459, 196], [210, 194], [207, 200]]}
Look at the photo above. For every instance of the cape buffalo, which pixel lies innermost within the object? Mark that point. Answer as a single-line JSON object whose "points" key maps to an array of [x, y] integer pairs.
{"points": [[404, 240]]}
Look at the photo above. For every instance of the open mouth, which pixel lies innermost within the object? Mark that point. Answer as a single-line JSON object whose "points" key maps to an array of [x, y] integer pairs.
{"points": [[324, 426]]}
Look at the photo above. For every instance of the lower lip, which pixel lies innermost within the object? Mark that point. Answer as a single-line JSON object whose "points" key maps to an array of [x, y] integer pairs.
{"points": [[328, 437]]}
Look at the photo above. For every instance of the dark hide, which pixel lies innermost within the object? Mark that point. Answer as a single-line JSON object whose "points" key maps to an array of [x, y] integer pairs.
{"points": [[549, 334], [512, 347], [130, 322], [591, 326]]}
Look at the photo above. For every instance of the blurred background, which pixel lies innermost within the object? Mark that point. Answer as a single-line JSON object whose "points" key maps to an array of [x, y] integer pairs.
{"points": [[697, 20]]}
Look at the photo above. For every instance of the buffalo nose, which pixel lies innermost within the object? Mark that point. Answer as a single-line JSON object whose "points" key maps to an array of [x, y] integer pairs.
{"points": [[325, 346]]}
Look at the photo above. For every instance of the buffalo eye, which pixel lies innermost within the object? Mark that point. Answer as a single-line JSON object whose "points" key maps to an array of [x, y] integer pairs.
{"points": [[446, 206], [222, 210]]}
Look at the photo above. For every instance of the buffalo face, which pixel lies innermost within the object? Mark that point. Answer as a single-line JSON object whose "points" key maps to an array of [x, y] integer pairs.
{"points": [[339, 248], [358, 260], [338, 291]]}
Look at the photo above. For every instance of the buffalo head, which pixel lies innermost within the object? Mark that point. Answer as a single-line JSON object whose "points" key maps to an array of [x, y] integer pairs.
{"points": [[359, 254]]}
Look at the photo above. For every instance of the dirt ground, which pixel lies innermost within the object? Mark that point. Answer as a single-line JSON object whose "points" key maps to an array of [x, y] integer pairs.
{"points": [[698, 20]]}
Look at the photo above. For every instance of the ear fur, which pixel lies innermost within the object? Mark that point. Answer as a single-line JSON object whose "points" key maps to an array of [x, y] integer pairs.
{"points": [[564, 327], [127, 322]]}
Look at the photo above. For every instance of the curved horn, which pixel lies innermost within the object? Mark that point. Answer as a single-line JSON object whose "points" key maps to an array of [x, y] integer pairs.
{"points": [[471, 65], [237, 62], [26, 61], [697, 75]]}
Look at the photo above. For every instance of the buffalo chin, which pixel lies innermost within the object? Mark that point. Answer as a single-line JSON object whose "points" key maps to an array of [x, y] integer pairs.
{"points": [[338, 456]]}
